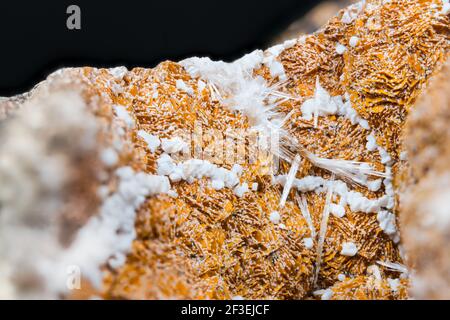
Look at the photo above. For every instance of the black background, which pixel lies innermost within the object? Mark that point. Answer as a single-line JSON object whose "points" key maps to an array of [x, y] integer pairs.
{"points": [[35, 41]]}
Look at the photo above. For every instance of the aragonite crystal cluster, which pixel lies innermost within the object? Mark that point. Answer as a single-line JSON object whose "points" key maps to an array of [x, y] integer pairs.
{"points": [[277, 176]]}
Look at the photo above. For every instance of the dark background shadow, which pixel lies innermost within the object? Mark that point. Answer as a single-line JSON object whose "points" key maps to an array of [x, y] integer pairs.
{"points": [[35, 40]]}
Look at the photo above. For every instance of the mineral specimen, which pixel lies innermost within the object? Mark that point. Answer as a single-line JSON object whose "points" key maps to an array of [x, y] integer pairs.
{"points": [[272, 177], [425, 201]]}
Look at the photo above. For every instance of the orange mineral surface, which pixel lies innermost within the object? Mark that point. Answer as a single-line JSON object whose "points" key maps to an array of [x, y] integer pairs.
{"points": [[272, 177]]}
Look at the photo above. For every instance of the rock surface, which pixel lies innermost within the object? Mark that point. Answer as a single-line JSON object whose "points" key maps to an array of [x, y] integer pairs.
{"points": [[190, 160], [425, 203]]}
